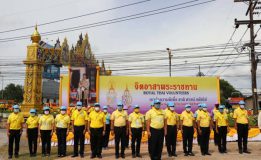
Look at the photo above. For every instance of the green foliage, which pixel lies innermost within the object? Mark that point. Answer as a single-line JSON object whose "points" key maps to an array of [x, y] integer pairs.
{"points": [[227, 90], [253, 120], [13, 92]]}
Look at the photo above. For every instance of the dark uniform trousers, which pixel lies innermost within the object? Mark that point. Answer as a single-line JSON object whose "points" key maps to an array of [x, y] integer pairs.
{"points": [[120, 136], [215, 134], [46, 141], [187, 137], [171, 139], [14, 136], [242, 131], [136, 138], [96, 141], [156, 143], [222, 138], [32, 140], [79, 136], [61, 135], [106, 136], [198, 137], [204, 144]]}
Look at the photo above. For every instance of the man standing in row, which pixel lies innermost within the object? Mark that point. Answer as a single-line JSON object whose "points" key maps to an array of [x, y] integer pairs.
{"points": [[32, 124], [156, 129], [187, 129], [119, 122], [195, 116], [107, 128]]}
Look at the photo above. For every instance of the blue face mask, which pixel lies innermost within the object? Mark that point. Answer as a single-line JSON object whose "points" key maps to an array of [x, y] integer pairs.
{"points": [[221, 110], [120, 108], [157, 106]]}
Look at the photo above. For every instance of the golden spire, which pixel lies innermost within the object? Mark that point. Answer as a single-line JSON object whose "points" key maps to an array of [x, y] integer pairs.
{"points": [[35, 37]]}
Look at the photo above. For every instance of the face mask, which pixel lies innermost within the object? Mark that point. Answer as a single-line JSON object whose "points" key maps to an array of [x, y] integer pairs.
{"points": [[16, 110], [204, 109], [188, 109], [242, 106], [63, 112], [46, 112], [172, 108], [221, 110], [79, 107], [157, 106], [97, 108], [120, 108], [32, 114], [105, 111], [136, 110]]}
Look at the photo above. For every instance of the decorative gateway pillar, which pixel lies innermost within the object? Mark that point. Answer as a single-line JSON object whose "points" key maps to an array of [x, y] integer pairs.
{"points": [[33, 75]]}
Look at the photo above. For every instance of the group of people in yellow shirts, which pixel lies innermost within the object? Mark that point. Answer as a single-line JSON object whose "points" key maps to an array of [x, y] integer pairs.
{"points": [[99, 123]]}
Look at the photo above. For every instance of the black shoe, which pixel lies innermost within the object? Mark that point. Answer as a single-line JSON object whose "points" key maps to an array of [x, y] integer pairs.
{"points": [[170, 155], [16, 156], [123, 156], [75, 155], [99, 156], [10, 157], [138, 155], [92, 156], [224, 151], [191, 154], [209, 154], [117, 156], [247, 152], [133, 156], [82, 156], [59, 155], [63, 155], [186, 154], [48, 155], [240, 152], [31, 155], [203, 154], [174, 154]]}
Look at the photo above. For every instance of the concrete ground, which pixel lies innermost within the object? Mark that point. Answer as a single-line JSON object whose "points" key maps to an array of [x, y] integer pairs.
{"points": [[254, 147]]}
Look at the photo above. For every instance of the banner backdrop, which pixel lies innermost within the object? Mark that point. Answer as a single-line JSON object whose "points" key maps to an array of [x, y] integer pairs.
{"points": [[144, 90]]}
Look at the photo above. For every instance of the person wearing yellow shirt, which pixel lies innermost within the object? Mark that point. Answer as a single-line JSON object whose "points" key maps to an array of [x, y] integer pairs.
{"points": [[119, 122], [198, 111], [79, 121], [14, 131], [213, 114], [222, 129], [242, 126], [46, 127], [156, 129], [62, 125], [106, 136], [136, 126], [204, 125], [32, 123], [187, 123], [151, 106], [126, 108], [96, 128], [172, 121]]}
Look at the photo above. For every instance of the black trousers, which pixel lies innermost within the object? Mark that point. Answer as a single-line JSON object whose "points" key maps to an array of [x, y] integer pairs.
{"points": [[120, 136], [106, 136], [222, 138], [32, 140], [136, 138], [171, 139], [79, 137], [204, 144], [242, 131], [46, 141], [14, 137], [215, 134], [127, 140], [96, 141], [61, 135], [187, 137], [198, 137], [156, 143]]}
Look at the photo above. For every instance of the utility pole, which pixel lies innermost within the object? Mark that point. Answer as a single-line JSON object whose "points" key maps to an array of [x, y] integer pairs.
{"points": [[170, 56], [250, 23]]}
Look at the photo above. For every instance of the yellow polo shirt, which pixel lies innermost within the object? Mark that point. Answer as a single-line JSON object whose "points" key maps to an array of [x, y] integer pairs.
{"points": [[221, 118], [204, 119], [156, 118], [97, 119], [15, 120], [79, 118], [197, 113], [119, 118], [172, 117], [62, 121], [215, 111], [46, 122], [187, 118], [136, 120], [241, 116], [32, 122]]}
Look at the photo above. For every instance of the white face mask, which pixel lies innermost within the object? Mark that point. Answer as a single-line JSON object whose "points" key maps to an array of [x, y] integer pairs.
{"points": [[46, 112], [105, 111], [16, 110], [79, 107], [32, 114], [63, 112], [172, 108], [97, 108], [204, 109], [188, 109], [242, 106]]}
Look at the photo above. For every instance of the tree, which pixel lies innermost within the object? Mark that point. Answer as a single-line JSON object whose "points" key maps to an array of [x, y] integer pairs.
{"points": [[227, 90], [13, 92]]}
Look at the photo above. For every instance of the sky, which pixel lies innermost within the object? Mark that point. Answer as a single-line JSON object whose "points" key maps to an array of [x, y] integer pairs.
{"points": [[207, 24]]}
